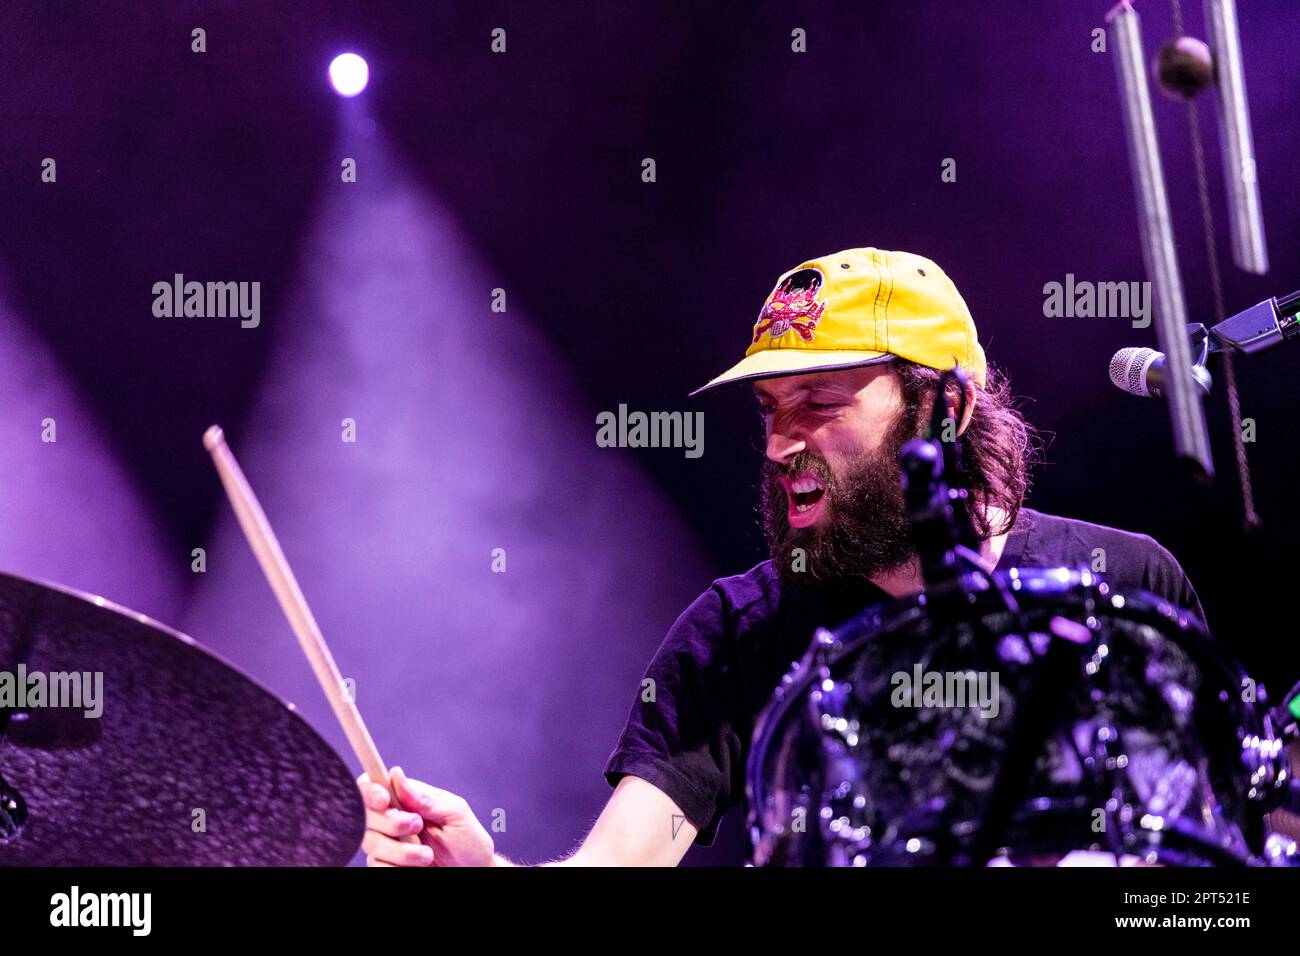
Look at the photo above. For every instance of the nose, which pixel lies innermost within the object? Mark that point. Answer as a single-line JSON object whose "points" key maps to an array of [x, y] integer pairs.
{"points": [[781, 447]]}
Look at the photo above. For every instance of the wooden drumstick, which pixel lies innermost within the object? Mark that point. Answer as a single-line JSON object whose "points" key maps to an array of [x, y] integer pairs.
{"points": [[267, 549]]}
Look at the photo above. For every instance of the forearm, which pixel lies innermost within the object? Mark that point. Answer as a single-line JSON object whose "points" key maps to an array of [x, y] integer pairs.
{"points": [[621, 836]]}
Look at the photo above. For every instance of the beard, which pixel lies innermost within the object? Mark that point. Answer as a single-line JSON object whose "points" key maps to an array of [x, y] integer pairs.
{"points": [[865, 530]]}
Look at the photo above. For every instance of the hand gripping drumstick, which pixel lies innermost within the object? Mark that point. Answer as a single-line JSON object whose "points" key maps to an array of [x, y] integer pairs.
{"points": [[267, 549]]}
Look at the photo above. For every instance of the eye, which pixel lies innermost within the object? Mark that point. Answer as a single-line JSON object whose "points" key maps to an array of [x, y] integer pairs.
{"points": [[823, 406]]}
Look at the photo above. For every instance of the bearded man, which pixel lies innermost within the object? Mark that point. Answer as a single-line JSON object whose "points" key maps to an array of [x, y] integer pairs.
{"points": [[844, 360]]}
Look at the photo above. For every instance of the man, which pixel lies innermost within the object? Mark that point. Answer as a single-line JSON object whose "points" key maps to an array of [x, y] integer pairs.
{"points": [[844, 361]]}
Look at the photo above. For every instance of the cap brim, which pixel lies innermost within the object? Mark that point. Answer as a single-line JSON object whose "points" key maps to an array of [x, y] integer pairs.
{"points": [[774, 363]]}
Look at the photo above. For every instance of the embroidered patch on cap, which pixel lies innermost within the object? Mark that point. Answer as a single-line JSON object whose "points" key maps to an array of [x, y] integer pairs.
{"points": [[793, 306]]}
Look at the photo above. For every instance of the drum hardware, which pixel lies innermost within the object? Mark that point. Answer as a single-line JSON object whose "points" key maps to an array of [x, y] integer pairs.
{"points": [[13, 812], [1145, 723], [938, 509], [1051, 672], [946, 543]]}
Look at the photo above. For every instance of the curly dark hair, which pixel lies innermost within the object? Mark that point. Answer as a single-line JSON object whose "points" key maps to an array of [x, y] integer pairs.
{"points": [[999, 447]]}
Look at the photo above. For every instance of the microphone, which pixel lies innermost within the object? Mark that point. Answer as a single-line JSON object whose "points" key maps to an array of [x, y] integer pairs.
{"points": [[1141, 372], [1266, 325]]}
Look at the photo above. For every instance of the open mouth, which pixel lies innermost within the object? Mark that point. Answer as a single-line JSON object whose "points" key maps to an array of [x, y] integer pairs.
{"points": [[806, 495]]}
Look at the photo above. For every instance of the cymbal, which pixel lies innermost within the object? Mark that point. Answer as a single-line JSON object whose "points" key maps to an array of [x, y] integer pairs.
{"points": [[190, 763]]}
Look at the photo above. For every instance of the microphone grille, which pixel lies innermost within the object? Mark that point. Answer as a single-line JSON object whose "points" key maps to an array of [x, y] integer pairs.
{"points": [[1126, 368]]}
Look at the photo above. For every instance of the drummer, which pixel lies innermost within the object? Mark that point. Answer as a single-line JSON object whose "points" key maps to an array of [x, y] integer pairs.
{"points": [[844, 360]]}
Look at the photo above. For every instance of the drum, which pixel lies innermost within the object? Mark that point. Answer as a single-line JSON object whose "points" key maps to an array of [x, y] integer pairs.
{"points": [[1041, 715]]}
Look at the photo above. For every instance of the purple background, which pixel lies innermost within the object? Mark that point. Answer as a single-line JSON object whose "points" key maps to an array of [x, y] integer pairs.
{"points": [[476, 429]]}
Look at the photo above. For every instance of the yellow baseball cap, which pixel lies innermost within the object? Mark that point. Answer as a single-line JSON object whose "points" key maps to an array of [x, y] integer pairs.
{"points": [[859, 307]]}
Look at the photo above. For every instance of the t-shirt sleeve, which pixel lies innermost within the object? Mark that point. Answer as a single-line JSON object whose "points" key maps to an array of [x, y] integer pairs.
{"points": [[1165, 577], [681, 732]]}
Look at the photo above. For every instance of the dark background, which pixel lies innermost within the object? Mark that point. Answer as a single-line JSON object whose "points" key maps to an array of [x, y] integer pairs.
{"points": [[212, 164]]}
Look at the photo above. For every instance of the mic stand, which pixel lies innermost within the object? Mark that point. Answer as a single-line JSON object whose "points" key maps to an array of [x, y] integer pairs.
{"points": [[948, 548], [942, 531]]}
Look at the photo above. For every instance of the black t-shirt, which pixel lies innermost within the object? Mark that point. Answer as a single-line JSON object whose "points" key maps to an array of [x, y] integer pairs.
{"points": [[727, 652]]}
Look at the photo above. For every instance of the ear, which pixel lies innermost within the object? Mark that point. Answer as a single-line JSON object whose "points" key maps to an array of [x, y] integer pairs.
{"points": [[970, 406]]}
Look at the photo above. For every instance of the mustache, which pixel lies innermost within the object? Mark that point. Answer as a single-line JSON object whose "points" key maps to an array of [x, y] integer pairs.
{"points": [[802, 463]]}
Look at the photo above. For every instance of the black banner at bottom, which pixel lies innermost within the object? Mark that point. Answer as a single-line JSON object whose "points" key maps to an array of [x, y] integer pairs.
{"points": [[212, 905]]}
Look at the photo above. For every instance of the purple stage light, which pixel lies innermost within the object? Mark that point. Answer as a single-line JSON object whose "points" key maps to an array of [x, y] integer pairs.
{"points": [[508, 687], [349, 74], [71, 514]]}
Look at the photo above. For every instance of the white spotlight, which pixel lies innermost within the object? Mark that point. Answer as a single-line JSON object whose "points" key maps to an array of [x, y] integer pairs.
{"points": [[349, 74]]}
